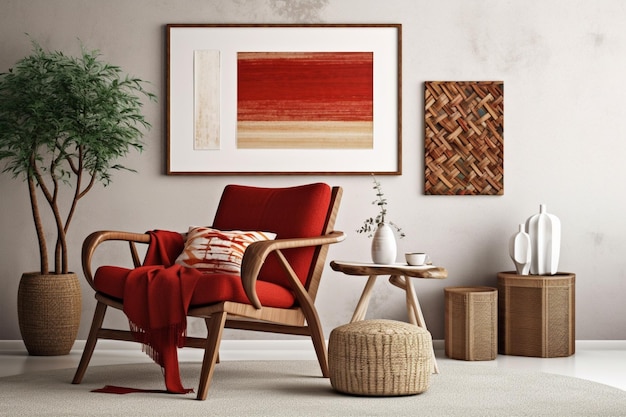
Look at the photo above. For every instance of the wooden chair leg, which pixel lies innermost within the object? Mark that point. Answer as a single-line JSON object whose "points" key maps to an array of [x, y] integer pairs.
{"points": [[317, 336], [320, 349], [215, 326], [90, 345]]}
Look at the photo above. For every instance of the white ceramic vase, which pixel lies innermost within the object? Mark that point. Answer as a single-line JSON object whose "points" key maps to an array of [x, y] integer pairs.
{"points": [[384, 248], [520, 251], [544, 230]]}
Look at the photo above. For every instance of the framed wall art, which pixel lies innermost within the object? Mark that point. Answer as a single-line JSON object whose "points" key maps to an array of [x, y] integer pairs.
{"points": [[283, 99], [464, 142]]}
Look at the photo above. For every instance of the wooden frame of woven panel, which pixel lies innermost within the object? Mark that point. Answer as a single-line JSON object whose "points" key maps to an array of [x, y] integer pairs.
{"points": [[464, 144]]}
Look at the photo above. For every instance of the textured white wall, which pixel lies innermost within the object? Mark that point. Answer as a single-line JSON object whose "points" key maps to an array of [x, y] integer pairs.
{"points": [[562, 63]]}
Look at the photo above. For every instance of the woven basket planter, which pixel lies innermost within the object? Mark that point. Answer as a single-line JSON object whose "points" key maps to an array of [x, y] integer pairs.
{"points": [[49, 308], [380, 358]]}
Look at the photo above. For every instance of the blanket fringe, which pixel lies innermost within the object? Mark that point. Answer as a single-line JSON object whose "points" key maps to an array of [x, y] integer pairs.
{"points": [[173, 335], [158, 345]]}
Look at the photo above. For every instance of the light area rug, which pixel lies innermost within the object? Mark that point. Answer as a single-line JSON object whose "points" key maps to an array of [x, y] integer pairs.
{"points": [[296, 388]]}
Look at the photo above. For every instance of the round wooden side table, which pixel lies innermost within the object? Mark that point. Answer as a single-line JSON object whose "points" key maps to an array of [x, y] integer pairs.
{"points": [[399, 276]]}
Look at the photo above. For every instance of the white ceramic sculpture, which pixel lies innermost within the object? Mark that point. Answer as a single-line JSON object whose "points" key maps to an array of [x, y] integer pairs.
{"points": [[384, 248], [545, 239], [520, 250]]}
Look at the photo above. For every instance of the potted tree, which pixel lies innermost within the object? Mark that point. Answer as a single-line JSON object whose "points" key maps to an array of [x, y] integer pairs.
{"points": [[64, 121]]}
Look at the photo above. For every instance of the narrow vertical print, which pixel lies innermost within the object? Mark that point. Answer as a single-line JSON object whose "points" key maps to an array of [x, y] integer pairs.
{"points": [[206, 99]]}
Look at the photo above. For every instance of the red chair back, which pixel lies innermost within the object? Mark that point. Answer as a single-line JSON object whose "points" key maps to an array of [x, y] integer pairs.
{"points": [[290, 212]]}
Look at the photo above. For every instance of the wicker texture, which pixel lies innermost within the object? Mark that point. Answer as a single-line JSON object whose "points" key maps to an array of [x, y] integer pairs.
{"points": [[49, 308], [380, 358], [464, 123], [536, 314], [471, 323]]}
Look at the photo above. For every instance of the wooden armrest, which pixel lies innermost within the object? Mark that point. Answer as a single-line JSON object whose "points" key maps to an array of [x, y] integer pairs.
{"points": [[257, 252], [96, 238]]}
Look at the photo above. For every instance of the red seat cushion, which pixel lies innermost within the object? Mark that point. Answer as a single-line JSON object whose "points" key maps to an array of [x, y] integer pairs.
{"points": [[211, 288]]}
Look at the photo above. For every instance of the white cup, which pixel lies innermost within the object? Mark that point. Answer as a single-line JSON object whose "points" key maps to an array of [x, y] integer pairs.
{"points": [[415, 258]]}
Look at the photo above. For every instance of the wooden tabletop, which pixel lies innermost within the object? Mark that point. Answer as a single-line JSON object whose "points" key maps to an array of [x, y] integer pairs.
{"points": [[364, 268]]}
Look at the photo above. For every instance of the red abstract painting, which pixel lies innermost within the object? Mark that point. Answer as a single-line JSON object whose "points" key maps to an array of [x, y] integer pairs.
{"points": [[305, 100]]}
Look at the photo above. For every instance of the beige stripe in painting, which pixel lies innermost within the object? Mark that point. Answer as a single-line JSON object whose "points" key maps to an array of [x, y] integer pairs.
{"points": [[207, 99], [305, 135]]}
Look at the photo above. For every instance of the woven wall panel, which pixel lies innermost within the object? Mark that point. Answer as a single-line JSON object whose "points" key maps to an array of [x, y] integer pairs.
{"points": [[464, 144]]}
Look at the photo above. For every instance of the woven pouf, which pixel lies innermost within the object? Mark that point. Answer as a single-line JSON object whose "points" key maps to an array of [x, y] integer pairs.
{"points": [[380, 357]]}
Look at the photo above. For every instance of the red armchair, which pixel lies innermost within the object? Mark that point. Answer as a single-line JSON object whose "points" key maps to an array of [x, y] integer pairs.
{"points": [[277, 286]]}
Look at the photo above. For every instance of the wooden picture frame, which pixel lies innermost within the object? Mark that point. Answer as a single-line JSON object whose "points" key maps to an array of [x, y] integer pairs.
{"points": [[283, 99]]}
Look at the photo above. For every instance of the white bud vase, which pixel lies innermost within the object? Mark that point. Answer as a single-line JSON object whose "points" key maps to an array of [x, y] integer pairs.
{"points": [[520, 251], [384, 247], [545, 239]]}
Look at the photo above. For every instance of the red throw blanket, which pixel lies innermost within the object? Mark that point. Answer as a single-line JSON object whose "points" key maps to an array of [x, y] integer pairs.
{"points": [[156, 299]]}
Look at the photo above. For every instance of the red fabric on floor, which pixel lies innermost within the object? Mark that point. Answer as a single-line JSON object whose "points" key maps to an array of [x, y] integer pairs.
{"points": [[113, 389]]}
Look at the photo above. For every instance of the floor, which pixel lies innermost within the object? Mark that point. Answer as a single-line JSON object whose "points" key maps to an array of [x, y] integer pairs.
{"points": [[599, 361]]}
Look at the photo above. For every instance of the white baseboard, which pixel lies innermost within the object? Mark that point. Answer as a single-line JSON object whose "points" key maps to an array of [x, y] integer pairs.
{"points": [[601, 344]]}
